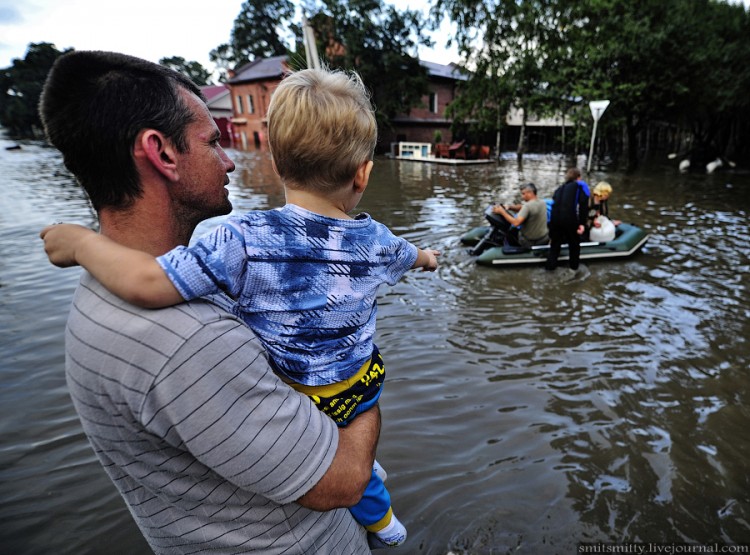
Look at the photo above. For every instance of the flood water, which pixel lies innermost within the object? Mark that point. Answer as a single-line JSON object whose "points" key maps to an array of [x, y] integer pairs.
{"points": [[521, 414]]}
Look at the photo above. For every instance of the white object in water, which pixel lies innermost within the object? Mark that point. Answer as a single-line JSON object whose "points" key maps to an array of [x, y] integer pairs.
{"points": [[605, 232], [711, 166]]}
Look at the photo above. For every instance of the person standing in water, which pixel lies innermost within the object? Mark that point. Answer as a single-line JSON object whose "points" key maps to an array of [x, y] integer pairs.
{"points": [[568, 220]]}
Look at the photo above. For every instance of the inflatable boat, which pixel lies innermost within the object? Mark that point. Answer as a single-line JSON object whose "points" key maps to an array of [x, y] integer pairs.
{"points": [[490, 247]]}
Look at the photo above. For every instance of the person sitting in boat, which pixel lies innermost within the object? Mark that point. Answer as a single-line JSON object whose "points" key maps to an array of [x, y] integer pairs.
{"points": [[598, 208], [529, 226]]}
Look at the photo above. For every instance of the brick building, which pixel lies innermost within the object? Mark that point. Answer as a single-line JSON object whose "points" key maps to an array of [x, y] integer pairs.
{"points": [[421, 123], [252, 85]]}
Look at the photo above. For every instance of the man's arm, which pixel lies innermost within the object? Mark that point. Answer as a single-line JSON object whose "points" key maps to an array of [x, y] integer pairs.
{"points": [[130, 274], [344, 483], [514, 220], [218, 398]]}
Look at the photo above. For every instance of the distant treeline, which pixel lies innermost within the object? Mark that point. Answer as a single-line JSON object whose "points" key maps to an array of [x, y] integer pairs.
{"points": [[675, 71]]}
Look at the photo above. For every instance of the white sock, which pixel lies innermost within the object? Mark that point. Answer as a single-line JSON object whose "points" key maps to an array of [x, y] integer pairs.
{"points": [[380, 471], [394, 532], [390, 527]]}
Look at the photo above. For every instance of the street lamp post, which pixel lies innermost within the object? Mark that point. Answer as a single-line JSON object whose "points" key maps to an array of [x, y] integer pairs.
{"points": [[597, 109], [311, 50]]}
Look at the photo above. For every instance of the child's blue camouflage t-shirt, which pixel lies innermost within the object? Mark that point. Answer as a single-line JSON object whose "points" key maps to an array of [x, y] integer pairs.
{"points": [[305, 283]]}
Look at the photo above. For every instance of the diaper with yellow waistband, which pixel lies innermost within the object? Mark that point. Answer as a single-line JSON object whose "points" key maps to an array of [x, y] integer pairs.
{"points": [[343, 400]]}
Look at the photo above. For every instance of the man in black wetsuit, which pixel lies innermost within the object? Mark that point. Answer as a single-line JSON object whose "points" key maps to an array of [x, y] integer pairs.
{"points": [[568, 219]]}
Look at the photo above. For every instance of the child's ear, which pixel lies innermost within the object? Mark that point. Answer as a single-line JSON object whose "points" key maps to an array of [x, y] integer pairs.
{"points": [[362, 177]]}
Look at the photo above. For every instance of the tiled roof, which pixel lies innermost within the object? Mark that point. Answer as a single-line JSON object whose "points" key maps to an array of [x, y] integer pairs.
{"points": [[450, 71], [270, 68], [261, 68], [212, 91]]}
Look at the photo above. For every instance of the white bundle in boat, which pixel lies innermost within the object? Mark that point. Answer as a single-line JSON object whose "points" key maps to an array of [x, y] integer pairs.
{"points": [[605, 232]]}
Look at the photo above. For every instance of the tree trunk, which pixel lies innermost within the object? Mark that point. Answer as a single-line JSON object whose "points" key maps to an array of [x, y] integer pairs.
{"points": [[632, 130], [497, 135], [519, 150]]}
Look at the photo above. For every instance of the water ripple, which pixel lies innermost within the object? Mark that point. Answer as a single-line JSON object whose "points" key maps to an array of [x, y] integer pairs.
{"points": [[520, 414]]}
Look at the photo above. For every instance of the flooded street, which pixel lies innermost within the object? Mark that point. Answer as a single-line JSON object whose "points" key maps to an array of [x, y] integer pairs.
{"points": [[521, 413]]}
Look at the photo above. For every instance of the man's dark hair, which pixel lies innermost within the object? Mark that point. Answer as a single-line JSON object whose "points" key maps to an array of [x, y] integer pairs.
{"points": [[529, 186], [572, 174], [93, 106]]}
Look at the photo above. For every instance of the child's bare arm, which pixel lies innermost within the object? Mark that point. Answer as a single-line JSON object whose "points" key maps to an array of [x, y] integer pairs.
{"points": [[130, 274], [427, 260], [60, 241]]}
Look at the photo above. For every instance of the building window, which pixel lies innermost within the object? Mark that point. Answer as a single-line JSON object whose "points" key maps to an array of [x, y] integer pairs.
{"points": [[240, 108], [250, 105], [433, 103]]}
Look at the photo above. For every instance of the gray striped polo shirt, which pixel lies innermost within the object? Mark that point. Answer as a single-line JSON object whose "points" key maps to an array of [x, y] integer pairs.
{"points": [[206, 445]]}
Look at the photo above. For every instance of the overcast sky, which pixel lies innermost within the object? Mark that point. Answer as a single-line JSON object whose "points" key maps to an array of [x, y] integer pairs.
{"points": [[150, 29]]}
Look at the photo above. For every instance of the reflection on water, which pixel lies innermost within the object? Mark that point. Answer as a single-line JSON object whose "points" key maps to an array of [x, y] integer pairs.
{"points": [[521, 413]]}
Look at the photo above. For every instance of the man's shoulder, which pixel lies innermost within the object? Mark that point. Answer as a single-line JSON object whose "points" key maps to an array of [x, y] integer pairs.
{"points": [[538, 204], [124, 344], [97, 309]]}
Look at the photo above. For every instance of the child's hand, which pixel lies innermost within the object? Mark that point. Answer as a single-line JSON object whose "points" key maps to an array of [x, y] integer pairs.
{"points": [[61, 241], [432, 262]]}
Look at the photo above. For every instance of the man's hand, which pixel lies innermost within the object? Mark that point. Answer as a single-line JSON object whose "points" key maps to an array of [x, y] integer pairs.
{"points": [[61, 241]]}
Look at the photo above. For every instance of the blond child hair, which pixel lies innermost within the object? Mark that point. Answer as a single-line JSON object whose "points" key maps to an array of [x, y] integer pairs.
{"points": [[321, 128]]}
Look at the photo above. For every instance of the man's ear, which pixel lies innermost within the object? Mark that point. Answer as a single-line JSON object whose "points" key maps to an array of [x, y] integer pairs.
{"points": [[160, 153], [362, 177]]}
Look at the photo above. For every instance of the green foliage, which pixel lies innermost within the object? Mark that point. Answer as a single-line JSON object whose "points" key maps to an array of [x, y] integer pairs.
{"points": [[671, 61], [677, 62], [194, 70], [20, 89], [513, 50], [380, 43], [718, 106], [257, 33], [376, 40]]}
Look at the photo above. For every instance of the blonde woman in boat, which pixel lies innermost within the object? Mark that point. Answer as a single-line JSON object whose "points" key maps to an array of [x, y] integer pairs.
{"points": [[598, 206]]}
